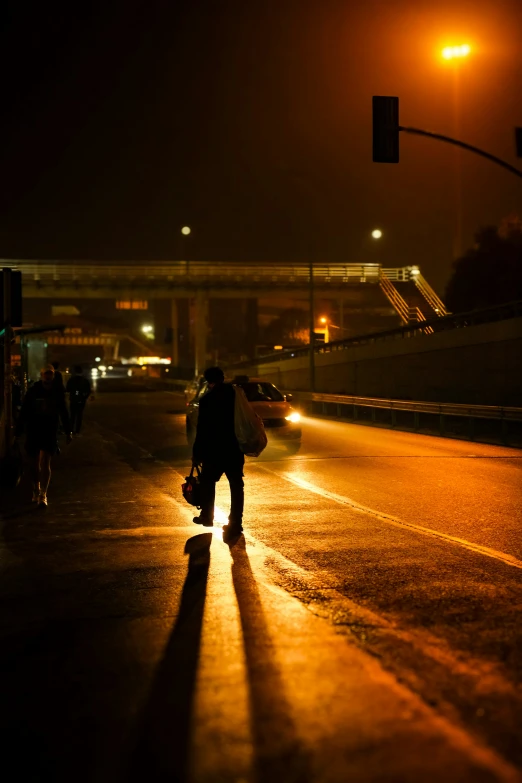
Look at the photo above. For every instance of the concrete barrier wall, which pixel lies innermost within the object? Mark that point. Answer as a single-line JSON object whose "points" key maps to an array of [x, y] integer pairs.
{"points": [[478, 364]]}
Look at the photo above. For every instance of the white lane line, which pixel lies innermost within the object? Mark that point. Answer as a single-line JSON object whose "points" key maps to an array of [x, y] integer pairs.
{"points": [[391, 520], [345, 501]]}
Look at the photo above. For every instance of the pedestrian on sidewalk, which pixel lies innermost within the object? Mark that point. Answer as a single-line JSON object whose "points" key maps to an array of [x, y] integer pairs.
{"points": [[79, 390], [58, 377], [42, 408], [217, 450]]}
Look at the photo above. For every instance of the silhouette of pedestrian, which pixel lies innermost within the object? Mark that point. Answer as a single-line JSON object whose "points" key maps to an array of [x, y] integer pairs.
{"points": [[217, 450]]}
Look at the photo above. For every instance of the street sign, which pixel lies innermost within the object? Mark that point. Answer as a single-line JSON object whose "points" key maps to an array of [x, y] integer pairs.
{"points": [[385, 129], [518, 141], [16, 299]]}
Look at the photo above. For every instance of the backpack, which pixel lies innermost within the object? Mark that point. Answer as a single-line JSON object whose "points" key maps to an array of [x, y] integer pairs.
{"points": [[248, 426]]}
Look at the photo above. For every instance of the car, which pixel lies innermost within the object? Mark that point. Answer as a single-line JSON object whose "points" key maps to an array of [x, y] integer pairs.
{"points": [[193, 388], [282, 422]]}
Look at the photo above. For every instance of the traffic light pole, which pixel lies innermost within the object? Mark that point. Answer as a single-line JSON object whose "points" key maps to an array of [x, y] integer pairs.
{"points": [[386, 128], [464, 146], [8, 391]]}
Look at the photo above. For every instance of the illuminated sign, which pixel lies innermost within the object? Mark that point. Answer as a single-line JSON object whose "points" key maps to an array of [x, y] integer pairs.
{"points": [[127, 304]]}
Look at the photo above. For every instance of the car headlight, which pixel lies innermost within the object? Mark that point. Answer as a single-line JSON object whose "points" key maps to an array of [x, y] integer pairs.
{"points": [[294, 417]]}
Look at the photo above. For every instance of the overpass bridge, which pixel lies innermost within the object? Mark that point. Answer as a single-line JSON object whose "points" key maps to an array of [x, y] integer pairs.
{"points": [[365, 286]]}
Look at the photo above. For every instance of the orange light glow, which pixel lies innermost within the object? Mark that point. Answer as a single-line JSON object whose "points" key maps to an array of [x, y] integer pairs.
{"points": [[322, 320], [453, 52]]}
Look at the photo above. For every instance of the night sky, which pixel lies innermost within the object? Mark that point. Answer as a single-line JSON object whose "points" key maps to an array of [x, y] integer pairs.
{"points": [[250, 121]]}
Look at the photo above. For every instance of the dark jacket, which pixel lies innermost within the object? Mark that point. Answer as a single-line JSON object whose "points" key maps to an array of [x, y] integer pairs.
{"points": [[42, 410], [215, 436], [78, 388], [58, 380]]}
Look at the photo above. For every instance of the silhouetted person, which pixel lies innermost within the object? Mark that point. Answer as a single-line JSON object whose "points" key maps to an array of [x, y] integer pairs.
{"points": [[217, 450], [42, 408], [58, 377], [79, 390]]}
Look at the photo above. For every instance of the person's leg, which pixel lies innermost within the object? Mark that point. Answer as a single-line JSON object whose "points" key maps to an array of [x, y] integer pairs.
{"points": [[33, 452], [34, 468], [234, 474], [209, 475], [79, 418], [45, 472], [74, 413]]}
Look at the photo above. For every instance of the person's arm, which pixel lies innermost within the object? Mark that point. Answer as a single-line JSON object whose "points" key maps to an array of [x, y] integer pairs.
{"points": [[201, 431], [64, 415]]}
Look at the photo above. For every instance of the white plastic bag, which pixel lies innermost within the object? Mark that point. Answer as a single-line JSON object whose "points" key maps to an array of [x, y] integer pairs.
{"points": [[248, 426]]}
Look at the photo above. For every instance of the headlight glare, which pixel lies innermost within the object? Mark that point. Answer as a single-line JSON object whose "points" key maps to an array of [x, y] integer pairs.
{"points": [[293, 417]]}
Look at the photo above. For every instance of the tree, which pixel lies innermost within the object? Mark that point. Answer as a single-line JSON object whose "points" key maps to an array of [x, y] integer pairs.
{"points": [[291, 326], [491, 272]]}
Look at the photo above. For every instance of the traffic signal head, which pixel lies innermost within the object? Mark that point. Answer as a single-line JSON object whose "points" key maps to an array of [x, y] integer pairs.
{"points": [[385, 129]]}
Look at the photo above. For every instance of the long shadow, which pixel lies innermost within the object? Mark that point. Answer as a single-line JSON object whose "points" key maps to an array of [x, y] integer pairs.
{"points": [[278, 752], [163, 743]]}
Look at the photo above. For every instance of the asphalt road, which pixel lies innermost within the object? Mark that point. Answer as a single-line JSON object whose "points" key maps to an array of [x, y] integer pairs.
{"points": [[375, 606]]}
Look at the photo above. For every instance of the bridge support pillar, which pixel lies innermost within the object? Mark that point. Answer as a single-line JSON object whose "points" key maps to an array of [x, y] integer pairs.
{"points": [[251, 323], [174, 331], [200, 332]]}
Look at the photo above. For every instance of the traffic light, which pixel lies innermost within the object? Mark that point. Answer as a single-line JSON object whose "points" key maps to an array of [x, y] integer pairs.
{"points": [[16, 298], [385, 129], [518, 141]]}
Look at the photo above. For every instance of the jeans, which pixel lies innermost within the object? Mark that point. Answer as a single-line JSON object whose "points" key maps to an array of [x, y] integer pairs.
{"points": [[76, 416], [212, 472]]}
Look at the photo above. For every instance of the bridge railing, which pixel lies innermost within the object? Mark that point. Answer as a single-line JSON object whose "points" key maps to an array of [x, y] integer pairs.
{"points": [[197, 271], [423, 328]]}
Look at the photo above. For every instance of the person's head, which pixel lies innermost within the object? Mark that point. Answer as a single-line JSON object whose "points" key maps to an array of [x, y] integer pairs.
{"points": [[214, 375], [47, 375], [78, 369], [55, 365]]}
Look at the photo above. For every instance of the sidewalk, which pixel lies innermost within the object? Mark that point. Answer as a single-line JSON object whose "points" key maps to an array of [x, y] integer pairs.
{"points": [[137, 646]]}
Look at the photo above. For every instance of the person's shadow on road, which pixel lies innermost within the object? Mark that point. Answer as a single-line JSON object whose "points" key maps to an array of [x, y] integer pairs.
{"points": [[164, 729], [278, 753]]}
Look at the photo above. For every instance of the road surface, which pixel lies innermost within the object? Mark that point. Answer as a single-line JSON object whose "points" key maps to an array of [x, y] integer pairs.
{"points": [[367, 628]]}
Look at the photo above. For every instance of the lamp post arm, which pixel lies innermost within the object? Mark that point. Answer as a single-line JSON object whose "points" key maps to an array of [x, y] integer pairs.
{"points": [[463, 145]]}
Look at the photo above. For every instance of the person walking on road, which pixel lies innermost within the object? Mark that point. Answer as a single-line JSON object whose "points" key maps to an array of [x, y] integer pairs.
{"points": [[216, 448], [58, 377], [42, 408], [79, 390]]}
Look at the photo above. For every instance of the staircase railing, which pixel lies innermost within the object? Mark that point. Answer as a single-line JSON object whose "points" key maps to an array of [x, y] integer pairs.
{"points": [[429, 295], [398, 302]]}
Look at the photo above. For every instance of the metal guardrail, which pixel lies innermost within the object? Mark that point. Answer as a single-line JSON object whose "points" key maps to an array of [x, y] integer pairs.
{"points": [[439, 408], [424, 328], [504, 415]]}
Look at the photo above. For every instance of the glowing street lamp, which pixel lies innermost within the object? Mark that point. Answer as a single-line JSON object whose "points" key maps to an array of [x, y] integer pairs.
{"points": [[455, 52], [148, 330], [455, 56], [376, 233], [322, 320], [186, 231]]}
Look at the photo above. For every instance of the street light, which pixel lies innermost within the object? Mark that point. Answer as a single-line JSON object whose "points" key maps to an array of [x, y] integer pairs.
{"points": [[456, 55], [455, 52], [376, 233], [148, 331], [186, 231]]}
